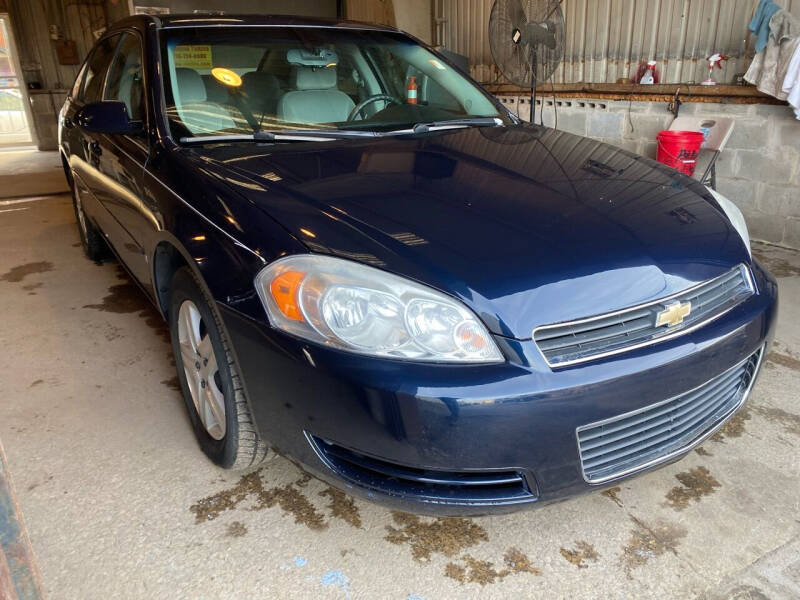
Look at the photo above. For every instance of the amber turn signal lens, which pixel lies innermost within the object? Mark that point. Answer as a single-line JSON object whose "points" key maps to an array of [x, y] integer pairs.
{"points": [[284, 291]]}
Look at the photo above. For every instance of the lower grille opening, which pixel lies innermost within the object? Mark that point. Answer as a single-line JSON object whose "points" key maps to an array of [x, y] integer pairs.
{"points": [[637, 440], [448, 487]]}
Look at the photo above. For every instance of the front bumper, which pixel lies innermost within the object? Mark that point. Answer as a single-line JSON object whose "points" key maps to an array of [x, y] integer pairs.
{"points": [[464, 427]]}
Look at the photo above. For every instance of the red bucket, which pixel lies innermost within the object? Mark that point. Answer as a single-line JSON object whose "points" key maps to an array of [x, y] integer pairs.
{"points": [[679, 149]]}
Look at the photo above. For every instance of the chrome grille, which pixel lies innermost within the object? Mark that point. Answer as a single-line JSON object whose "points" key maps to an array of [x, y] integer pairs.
{"points": [[570, 343], [642, 438]]}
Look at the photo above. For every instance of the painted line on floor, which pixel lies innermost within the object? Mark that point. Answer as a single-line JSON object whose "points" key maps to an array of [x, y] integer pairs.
{"points": [[19, 578], [19, 149], [30, 199]]}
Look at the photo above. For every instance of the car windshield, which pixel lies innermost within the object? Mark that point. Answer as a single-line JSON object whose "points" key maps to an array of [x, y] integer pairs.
{"points": [[235, 81]]}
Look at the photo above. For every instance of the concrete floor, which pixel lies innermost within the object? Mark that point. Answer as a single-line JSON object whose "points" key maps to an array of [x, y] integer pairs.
{"points": [[120, 503], [25, 171]]}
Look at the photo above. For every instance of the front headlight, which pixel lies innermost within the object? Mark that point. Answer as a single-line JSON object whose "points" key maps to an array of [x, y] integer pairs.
{"points": [[358, 308], [734, 215]]}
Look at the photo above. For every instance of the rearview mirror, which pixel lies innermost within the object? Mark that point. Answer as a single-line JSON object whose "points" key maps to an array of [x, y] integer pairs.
{"points": [[109, 116]]}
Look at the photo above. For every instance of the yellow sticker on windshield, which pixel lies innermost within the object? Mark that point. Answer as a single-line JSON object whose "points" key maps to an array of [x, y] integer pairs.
{"points": [[193, 57]]}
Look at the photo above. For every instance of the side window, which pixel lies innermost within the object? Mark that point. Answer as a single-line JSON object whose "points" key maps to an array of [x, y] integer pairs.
{"points": [[392, 68], [76, 87], [96, 69], [124, 82], [348, 79]]}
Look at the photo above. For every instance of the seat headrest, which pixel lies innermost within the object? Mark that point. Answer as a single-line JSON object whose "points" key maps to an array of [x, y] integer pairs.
{"points": [[312, 78], [258, 82], [190, 85]]}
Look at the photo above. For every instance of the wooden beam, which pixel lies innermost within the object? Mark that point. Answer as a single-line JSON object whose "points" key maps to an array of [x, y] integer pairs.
{"points": [[732, 94], [371, 11]]}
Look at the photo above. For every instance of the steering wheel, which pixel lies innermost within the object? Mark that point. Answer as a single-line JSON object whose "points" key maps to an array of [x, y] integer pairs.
{"points": [[367, 101]]}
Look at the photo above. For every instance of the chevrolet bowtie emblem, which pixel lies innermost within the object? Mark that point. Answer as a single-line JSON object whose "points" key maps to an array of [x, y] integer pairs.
{"points": [[673, 314]]}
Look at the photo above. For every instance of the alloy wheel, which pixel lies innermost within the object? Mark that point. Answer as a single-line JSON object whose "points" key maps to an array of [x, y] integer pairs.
{"points": [[200, 367]]}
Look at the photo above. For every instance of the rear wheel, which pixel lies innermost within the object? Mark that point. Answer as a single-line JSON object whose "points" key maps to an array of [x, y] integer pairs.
{"points": [[209, 378], [94, 246]]}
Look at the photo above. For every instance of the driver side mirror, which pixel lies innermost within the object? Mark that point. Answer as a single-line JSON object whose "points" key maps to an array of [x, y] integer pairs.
{"points": [[109, 116]]}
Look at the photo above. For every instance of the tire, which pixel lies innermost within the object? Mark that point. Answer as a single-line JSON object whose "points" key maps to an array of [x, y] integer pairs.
{"points": [[94, 246], [211, 386]]}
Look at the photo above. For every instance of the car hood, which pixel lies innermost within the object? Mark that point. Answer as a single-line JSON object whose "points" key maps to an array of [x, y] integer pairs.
{"points": [[527, 225]]}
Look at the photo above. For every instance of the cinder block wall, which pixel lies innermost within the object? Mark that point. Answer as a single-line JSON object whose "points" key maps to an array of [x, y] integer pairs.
{"points": [[759, 169]]}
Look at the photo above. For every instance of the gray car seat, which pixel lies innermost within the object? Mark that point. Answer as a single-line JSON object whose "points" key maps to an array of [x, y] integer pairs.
{"points": [[215, 91], [193, 108], [131, 91], [315, 99], [262, 91]]}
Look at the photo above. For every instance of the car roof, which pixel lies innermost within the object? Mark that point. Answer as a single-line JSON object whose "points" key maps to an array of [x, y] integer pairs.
{"points": [[237, 20]]}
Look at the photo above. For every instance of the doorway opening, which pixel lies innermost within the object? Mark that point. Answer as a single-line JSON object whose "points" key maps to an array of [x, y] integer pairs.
{"points": [[15, 126]]}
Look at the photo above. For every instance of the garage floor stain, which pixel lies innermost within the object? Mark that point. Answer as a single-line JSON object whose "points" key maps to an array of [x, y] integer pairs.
{"points": [[483, 572], [125, 298], [172, 383], [789, 421], [613, 495], [342, 506], [20, 272], [250, 486], [475, 571], [582, 553], [443, 535], [695, 484], [211, 507], [735, 427], [778, 266], [293, 502], [784, 360], [121, 298], [236, 529], [746, 592], [648, 542]]}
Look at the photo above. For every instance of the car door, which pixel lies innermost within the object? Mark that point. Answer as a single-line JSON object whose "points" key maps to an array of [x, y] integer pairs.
{"points": [[121, 158], [84, 146]]}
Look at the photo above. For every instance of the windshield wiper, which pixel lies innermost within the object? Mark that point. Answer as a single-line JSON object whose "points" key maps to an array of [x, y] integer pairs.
{"points": [[284, 135], [302, 134], [457, 123]]}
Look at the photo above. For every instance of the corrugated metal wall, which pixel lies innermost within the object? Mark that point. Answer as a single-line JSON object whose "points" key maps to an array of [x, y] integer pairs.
{"points": [[606, 39]]}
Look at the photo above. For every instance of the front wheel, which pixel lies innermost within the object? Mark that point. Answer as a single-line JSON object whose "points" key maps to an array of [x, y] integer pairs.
{"points": [[209, 379]]}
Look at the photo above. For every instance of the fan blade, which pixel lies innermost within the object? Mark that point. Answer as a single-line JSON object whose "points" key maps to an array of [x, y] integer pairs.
{"points": [[541, 33], [516, 15]]}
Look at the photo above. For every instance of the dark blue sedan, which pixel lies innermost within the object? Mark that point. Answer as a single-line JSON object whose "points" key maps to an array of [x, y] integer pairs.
{"points": [[371, 266]]}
